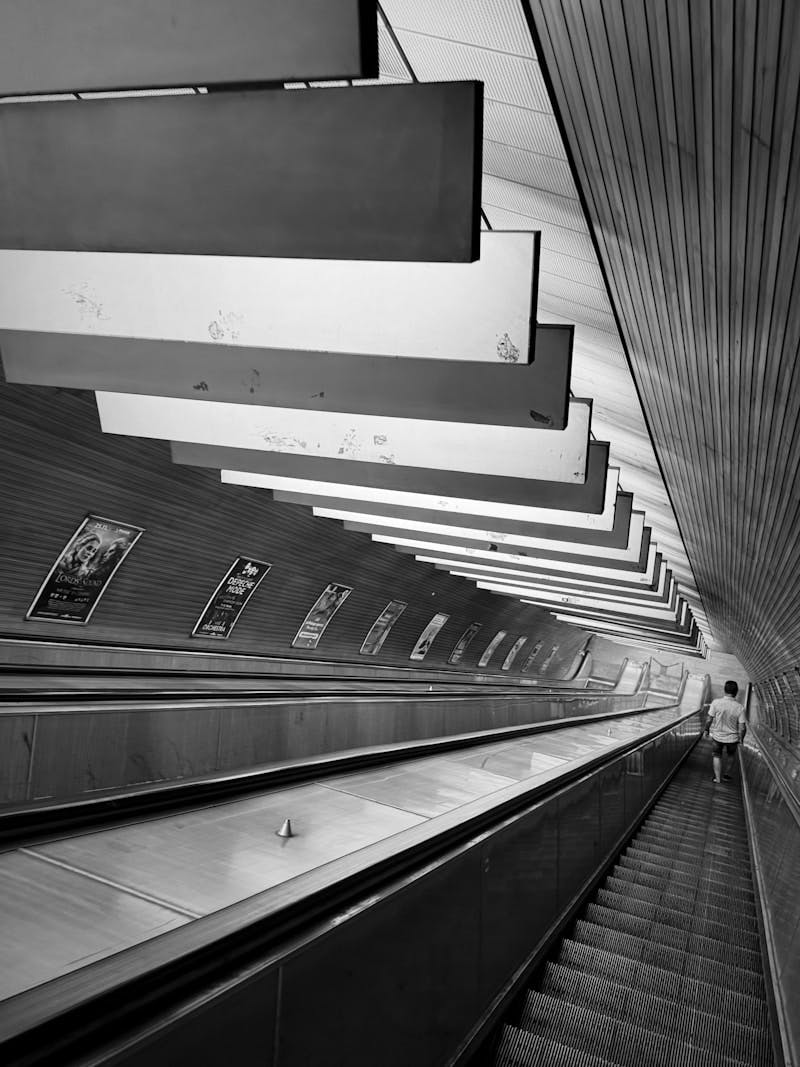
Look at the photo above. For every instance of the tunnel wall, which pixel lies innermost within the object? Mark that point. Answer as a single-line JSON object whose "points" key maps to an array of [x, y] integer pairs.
{"points": [[771, 770], [58, 466], [69, 754]]}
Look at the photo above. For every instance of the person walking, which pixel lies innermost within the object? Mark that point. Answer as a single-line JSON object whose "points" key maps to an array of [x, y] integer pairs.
{"points": [[726, 725]]}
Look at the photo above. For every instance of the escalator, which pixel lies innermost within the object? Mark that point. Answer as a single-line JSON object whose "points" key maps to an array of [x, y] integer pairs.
{"points": [[663, 966]]}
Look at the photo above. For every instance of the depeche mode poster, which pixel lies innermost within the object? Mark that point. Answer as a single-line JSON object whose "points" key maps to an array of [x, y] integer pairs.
{"points": [[489, 651], [425, 639], [228, 600], [463, 642], [512, 654], [81, 574], [379, 630], [326, 606]]}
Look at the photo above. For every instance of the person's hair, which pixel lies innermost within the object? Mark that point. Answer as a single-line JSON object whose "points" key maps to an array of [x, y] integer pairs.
{"points": [[731, 688]]}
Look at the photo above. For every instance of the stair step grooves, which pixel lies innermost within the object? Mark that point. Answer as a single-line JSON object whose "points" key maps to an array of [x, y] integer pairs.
{"points": [[657, 1015], [676, 882], [698, 824], [677, 858], [627, 905], [680, 937], [521, 1048], [647, 976], [609, 995], [739, 976], [593, 1032], [711, 908], [627, 1043], [692, 838]]}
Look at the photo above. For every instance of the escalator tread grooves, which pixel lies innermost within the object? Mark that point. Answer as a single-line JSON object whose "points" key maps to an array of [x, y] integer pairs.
{"points": [[663, 966]]}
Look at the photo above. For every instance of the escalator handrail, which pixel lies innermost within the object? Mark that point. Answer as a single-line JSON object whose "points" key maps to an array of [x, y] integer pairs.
{"points": [[250, 934]]}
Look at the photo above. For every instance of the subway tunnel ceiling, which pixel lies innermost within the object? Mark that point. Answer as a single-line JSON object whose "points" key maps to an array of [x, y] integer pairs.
{"points": [[631, 306], [682, 122]]}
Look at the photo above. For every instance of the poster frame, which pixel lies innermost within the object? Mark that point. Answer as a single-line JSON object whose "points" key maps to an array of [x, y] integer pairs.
{"points": [[384, 631], [317, 637], [245, 602], [89, 517], [429, 634]]}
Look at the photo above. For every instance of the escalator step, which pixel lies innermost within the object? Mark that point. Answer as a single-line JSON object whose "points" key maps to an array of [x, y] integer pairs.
{"points": [[741, 978], [696, 848], [627, 1043], [709, 909], [736, 881], [664, 966], [592, 1031], [521, 1048], [693, 837], [747, 929], [677, 857], [714, 892], [630, 1001], [680, 937]]}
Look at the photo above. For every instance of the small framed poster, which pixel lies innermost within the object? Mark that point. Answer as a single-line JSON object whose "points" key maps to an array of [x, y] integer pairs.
{"points": [[325, 607], [534, 652], [426, 638], [464, 642], [512, 653], [227, 602], [546, 663], [379, 630], [489, 651], [85, 566]]}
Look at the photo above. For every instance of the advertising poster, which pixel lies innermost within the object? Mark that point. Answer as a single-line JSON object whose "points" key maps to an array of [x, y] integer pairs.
{"points": [[427, 636], [381, 627], [463, 642], [546, 663], [489, 652], [534, 652], [314, 624], [81, 574], [228, 600], [512, 654]]}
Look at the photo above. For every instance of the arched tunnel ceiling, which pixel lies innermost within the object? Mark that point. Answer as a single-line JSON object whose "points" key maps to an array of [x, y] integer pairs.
{"points": [[614, 134], [528, 184], [682, 119]]}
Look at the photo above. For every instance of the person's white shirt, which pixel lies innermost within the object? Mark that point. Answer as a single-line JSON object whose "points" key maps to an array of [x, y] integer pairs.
{"points": [[726, 715]]}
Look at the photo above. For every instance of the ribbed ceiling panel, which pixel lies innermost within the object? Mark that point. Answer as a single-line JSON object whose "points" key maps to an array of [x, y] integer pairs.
{"points": [[682, 119]]}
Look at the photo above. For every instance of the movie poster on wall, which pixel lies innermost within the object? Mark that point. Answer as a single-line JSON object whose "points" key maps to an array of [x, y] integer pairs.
{"points": [[464, 642], [426, 638], [85, 566], [315, 623], [489, 652], [512, 653], [228, 601], [534, 652], [379, 630], [546, 663]]}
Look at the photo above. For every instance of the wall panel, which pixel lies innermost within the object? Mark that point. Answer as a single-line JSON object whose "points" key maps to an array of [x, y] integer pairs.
{"points": [[57, 466]]}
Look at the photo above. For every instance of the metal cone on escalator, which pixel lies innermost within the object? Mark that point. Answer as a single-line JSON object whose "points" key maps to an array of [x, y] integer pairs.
{"points": [[286, 830]]}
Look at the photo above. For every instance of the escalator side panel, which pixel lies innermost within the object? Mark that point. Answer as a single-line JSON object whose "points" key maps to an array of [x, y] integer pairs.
{"points": [[401, 977], [775, 842]]}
